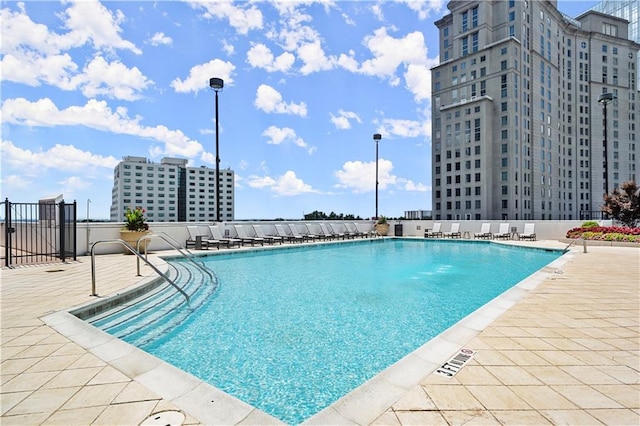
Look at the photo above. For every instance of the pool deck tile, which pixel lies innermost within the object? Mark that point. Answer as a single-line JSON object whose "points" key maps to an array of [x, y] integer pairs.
{"points": [[561, 348]]}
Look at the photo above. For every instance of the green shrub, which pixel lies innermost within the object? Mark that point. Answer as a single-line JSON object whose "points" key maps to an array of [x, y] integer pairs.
{"points": [[590, 224]]}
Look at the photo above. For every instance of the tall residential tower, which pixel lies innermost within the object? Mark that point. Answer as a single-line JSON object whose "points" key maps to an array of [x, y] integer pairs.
{"points": [[170, 191], [518, 132]]}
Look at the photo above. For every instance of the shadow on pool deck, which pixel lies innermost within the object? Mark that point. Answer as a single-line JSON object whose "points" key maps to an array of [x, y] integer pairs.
{"points": [[567, 353]]}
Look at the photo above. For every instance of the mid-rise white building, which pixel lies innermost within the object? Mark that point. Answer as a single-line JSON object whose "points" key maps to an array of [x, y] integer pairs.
{"points": [[170, 191]]}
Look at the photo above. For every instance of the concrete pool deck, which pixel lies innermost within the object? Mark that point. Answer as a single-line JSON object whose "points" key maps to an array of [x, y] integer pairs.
{"points": [[567, 352]]}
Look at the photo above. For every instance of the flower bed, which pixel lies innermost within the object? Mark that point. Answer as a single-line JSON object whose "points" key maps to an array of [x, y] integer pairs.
{"points": [[606, 233]]}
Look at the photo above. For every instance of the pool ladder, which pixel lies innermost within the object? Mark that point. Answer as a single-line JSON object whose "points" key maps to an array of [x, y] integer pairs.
{"points": [[173, 243]]}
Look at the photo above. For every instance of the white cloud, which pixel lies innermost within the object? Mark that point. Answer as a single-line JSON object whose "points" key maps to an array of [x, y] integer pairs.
{"points": [[260, 56], [160, 39], [424, 8], [389, 53], [411, 186], [199, 76], [342, 120], [97, 115], [286, 185], [16, 182], [361, 177], [90, 20], [229, 48], [241, 16], [72, 184], [279, 135], [314, 58], [405, 128], [112, 80], [270, 100], [59, 157]]}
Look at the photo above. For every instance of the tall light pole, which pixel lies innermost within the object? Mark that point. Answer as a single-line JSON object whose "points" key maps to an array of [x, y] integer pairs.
{"points": [[376, 138], [605, 99], [217, 84]]}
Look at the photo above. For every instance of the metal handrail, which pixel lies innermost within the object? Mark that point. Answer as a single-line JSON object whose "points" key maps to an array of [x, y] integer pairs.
{"points": [[134, 251], [176, 246]]}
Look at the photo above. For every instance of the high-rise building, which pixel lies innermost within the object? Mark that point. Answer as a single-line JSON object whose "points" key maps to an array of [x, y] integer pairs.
{"points": [[518, 132], [170, 191]]}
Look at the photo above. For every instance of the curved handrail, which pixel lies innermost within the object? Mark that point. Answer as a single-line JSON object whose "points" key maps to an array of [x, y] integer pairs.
{"points": [[134, 251], [176, 246]]}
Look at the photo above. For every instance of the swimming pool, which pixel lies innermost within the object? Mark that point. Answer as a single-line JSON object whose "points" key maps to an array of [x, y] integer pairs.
{"points": [[290, 331]]}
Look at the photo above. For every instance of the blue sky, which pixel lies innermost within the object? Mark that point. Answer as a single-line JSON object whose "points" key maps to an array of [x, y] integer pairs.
{"points": [[307, 84]]}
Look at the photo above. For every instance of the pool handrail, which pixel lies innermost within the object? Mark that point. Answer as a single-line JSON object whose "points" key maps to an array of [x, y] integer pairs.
{"points": [[134, 251], [176, 246]]}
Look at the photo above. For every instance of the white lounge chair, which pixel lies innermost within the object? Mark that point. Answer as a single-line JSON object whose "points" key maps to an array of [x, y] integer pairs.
{"points": [[287, 236], [199, 240], [435, 232], [454, 232], [268, 238], [217, 235], [485, 232], [327, 233], [503, 232], [246, 238], [529, 232]]}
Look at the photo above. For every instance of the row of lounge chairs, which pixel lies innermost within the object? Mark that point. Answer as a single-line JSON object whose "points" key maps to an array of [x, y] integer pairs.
{"points": [[485, 232], [213, 236]]}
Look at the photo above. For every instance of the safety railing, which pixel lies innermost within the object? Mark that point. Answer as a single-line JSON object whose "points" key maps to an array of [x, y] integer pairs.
{"points": [[139, 256], [176, 246]]}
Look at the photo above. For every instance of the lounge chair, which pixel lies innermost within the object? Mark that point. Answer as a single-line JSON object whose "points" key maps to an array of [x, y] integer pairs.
{"points": [[314, 229], [485, 232], [435, 232], [454, 232], [287, 236], [216, 233], [529, 232], [503, 232], [353, 230], [246, 238], [270, 239], [199, 240], [303, 230], [366, 229], [340, 230], [326, 232]]}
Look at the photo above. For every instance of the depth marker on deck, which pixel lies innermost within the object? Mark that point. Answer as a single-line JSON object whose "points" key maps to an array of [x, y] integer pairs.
{"points": [[451, 367]]}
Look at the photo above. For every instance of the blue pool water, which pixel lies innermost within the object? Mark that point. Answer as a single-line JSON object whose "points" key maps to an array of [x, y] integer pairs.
{"points": [[291, 331]]}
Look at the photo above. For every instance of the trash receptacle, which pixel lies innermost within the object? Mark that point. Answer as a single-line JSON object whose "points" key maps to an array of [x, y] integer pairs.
{"points": [[398, 230]]}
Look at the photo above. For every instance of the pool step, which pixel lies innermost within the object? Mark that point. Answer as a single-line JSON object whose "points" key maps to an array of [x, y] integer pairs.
{"points": [[142, 320]]}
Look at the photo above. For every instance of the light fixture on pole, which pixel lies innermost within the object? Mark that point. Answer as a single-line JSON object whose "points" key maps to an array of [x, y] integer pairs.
{"points": [[376, 138], [605, 99], [217, 84]]}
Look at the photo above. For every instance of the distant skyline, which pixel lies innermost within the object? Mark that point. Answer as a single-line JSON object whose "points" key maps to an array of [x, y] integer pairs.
{"points": [[307, 84]]}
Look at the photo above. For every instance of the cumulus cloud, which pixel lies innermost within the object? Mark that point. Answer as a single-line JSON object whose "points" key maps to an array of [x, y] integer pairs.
{"points": [[405, 128], [343, 119], [270, 100], [59, 157], [424, 8], [159, 39], [360, 176], [287, 185], [260, 56], [34, 55], [240, 15], [279, 135], [199, 76], [96, 115]]}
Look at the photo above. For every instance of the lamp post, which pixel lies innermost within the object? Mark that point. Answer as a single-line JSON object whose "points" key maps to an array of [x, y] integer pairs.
{"points": [[217, 84], [605, 99], [376, 138]]}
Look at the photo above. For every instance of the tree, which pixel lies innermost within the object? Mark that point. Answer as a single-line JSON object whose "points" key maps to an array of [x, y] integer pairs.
{"points": [[623, 203]]}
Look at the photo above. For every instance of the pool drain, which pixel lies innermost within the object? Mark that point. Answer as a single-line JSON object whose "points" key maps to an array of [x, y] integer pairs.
{"points": [[164, 418]]}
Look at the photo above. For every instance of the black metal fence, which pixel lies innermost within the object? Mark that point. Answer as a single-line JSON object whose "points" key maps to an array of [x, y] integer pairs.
{"points": [[37, 232], [593, 215]]}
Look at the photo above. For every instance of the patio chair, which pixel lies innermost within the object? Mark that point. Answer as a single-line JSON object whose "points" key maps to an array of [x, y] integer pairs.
{"points": [[246, 238], [270, 239], [287, 236], [303, 230], [529, 232], [435, 232], [503, 232], [485, 232], [217, 235], [340, 230], [366, 229], [199, 240], [353, 230], [454, 232], [326, 232]]}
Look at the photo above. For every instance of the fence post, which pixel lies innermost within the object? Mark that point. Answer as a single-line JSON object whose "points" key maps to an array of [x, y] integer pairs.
{"points": [[62, 225], [7, 232]]}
